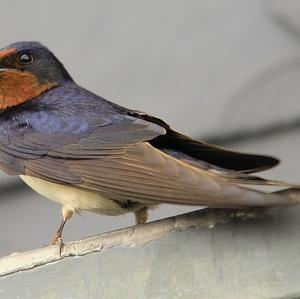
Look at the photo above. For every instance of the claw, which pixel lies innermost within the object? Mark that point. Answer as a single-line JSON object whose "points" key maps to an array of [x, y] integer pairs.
{"points": [[57, 239]]}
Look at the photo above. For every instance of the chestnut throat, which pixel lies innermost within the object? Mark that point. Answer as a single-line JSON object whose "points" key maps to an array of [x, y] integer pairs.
{"points": [[18, 87]]}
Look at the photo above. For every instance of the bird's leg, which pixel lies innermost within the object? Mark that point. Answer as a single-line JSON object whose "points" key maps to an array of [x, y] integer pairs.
{"points": [[66, 214], [141, 215]]}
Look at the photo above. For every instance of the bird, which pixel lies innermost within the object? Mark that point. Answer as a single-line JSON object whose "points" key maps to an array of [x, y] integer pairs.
{"points": [[90, 154]]}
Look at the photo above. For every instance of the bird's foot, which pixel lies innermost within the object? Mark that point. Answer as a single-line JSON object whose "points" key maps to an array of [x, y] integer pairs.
{"points": [[141, 215], [57, 240]]}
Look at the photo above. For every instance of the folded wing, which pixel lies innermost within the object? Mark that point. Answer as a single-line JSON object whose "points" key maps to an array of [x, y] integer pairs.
{"points": [[123, 160], [177, 143]]}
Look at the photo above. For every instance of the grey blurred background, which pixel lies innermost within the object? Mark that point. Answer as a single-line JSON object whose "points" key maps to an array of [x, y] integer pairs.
{"points": [[223, 71]]}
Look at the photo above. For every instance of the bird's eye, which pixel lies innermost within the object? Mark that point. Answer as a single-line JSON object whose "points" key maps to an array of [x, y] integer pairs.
{"points": [[25, 58]]}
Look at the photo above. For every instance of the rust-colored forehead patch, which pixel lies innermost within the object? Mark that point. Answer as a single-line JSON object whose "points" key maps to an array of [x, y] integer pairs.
{"points": [[7, 52]]}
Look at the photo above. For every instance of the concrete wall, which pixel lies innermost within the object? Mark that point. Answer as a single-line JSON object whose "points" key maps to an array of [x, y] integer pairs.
{"points": [[207, 255]]}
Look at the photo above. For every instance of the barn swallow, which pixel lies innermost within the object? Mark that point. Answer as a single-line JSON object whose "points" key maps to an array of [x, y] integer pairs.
{"points": [[89, 154]]}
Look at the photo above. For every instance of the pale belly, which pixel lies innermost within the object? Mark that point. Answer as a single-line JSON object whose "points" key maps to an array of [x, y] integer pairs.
{"points": [[73, 198]]}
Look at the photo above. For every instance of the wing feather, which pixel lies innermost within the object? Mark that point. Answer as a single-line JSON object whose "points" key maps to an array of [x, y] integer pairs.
{"points": [[112, 155], [145, 174]]}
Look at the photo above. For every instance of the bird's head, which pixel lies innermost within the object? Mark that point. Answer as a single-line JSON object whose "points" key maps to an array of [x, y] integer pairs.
{"points": [[27, 69]]}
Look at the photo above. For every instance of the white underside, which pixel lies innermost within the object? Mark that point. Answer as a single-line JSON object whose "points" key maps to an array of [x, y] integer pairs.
{"points": [[73, 198]]}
